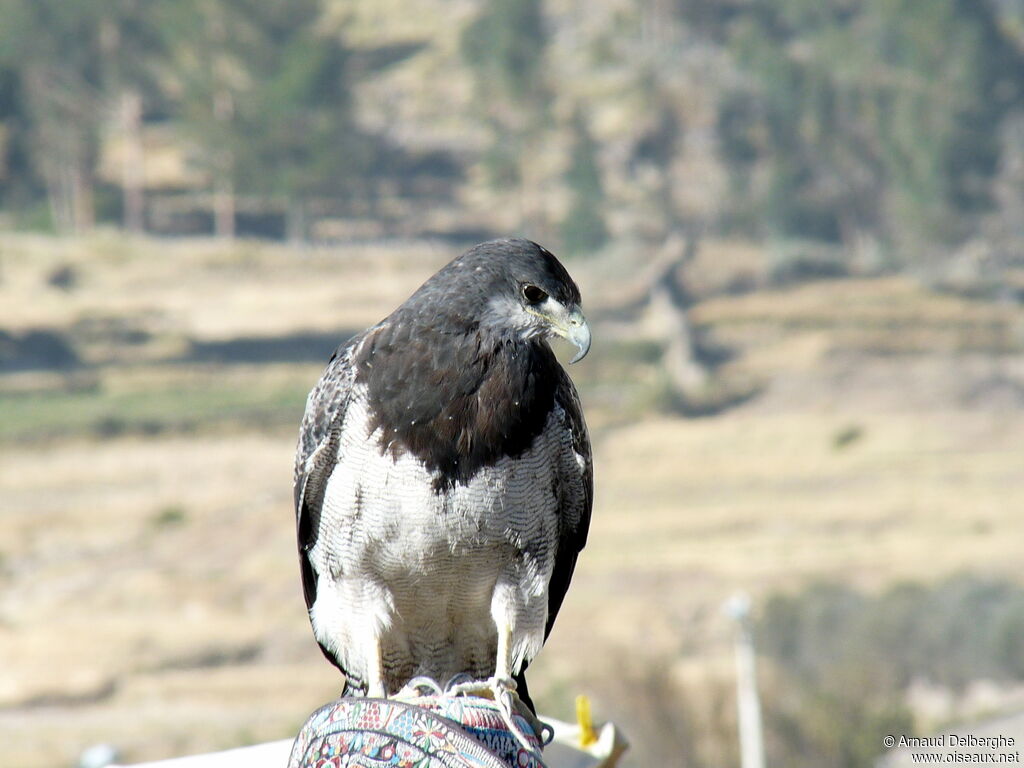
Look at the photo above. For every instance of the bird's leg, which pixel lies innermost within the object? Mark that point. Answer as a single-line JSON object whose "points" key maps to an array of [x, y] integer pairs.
{"points": [[501, 687], [503, 614], [501, 681], [503, 658], [378, 607], [375, 674], [504, 685]]}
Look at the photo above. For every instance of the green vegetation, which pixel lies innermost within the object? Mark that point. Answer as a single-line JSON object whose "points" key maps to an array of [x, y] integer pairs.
{"points": [[846, 659], [505, 49], [847, 436], [882, 126], [583, 229], [506, 44], [836, 664], [869, 117], [207, 404], [962, 629], [170, 516], [265, 94]]}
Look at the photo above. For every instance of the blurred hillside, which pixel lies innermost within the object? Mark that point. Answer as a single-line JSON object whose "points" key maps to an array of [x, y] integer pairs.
{"points": [[830, 193], [891, 129]]}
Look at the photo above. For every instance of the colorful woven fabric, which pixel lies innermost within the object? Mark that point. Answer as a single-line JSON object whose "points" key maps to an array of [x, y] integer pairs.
{"points": [[436, 732]]}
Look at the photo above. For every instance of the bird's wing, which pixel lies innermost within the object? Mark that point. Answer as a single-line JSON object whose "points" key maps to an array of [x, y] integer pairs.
{"points": [[317, 453], [575, 476], [576, 495]]}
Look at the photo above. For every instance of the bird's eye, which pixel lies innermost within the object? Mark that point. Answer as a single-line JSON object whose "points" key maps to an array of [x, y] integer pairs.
{"points": [[533, 294]]}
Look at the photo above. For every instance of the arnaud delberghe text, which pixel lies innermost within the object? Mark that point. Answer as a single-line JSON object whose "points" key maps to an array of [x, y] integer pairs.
{"points": [[955, 740]]}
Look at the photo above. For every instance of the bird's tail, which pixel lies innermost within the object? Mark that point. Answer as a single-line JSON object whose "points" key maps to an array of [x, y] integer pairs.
{"points": [[354, 687]]}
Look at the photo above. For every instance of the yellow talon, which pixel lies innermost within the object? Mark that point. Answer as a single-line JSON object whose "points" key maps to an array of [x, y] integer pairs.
{"points": [[588, 735]]}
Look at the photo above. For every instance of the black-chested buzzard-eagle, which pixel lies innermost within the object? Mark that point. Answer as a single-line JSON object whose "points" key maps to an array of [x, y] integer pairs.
{"points": [[443, 479]]}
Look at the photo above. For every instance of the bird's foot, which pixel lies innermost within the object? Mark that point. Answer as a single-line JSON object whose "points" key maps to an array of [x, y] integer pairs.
{"points": [[544, 732], [503, 691], [419, 687], [491, 688]]}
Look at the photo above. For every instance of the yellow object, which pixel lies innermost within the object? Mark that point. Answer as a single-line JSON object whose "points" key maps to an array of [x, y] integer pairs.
{"points": [[588, 735]]}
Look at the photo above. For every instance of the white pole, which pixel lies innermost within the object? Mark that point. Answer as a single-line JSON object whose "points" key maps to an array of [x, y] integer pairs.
{"points": [[748, 704]]}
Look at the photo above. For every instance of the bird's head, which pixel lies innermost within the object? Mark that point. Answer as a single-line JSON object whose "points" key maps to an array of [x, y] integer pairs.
{"points": [[524, 291]]}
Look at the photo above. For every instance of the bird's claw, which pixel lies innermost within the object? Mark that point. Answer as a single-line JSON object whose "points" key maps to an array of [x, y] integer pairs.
{"points": [[503, 691], [491, 688], [419, 687]]}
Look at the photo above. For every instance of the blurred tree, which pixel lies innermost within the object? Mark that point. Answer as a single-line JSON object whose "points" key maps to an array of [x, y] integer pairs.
{"points": [[54, 49], [63, 52], [506, 48], [132, 55], [951, 633], [265, 98], [843, 661], [78, 63], [808, 725], [583, 228], [668, 70], [506, 44], [20, 183], [299, 138], [654, 154], [841, 120], [208, 74], [868, 116], [1005, 229]]}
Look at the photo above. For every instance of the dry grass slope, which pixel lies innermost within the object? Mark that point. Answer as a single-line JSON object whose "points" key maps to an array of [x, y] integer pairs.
{"points": [[148, 586]]}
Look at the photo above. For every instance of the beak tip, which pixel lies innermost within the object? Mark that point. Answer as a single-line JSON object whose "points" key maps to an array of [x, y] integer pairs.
{"points": [[581, 338]]}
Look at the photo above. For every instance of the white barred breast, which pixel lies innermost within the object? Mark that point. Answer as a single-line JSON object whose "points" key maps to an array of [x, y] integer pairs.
{"points": [[428, 573]]}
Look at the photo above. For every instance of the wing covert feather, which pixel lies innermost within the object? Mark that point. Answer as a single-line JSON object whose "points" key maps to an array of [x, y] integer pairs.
{"points": [[317, 452], [577, 496]]}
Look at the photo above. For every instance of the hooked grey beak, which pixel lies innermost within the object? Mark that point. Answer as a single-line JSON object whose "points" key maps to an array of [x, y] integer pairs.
{"points": [[567, 322], [578, 332]]}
